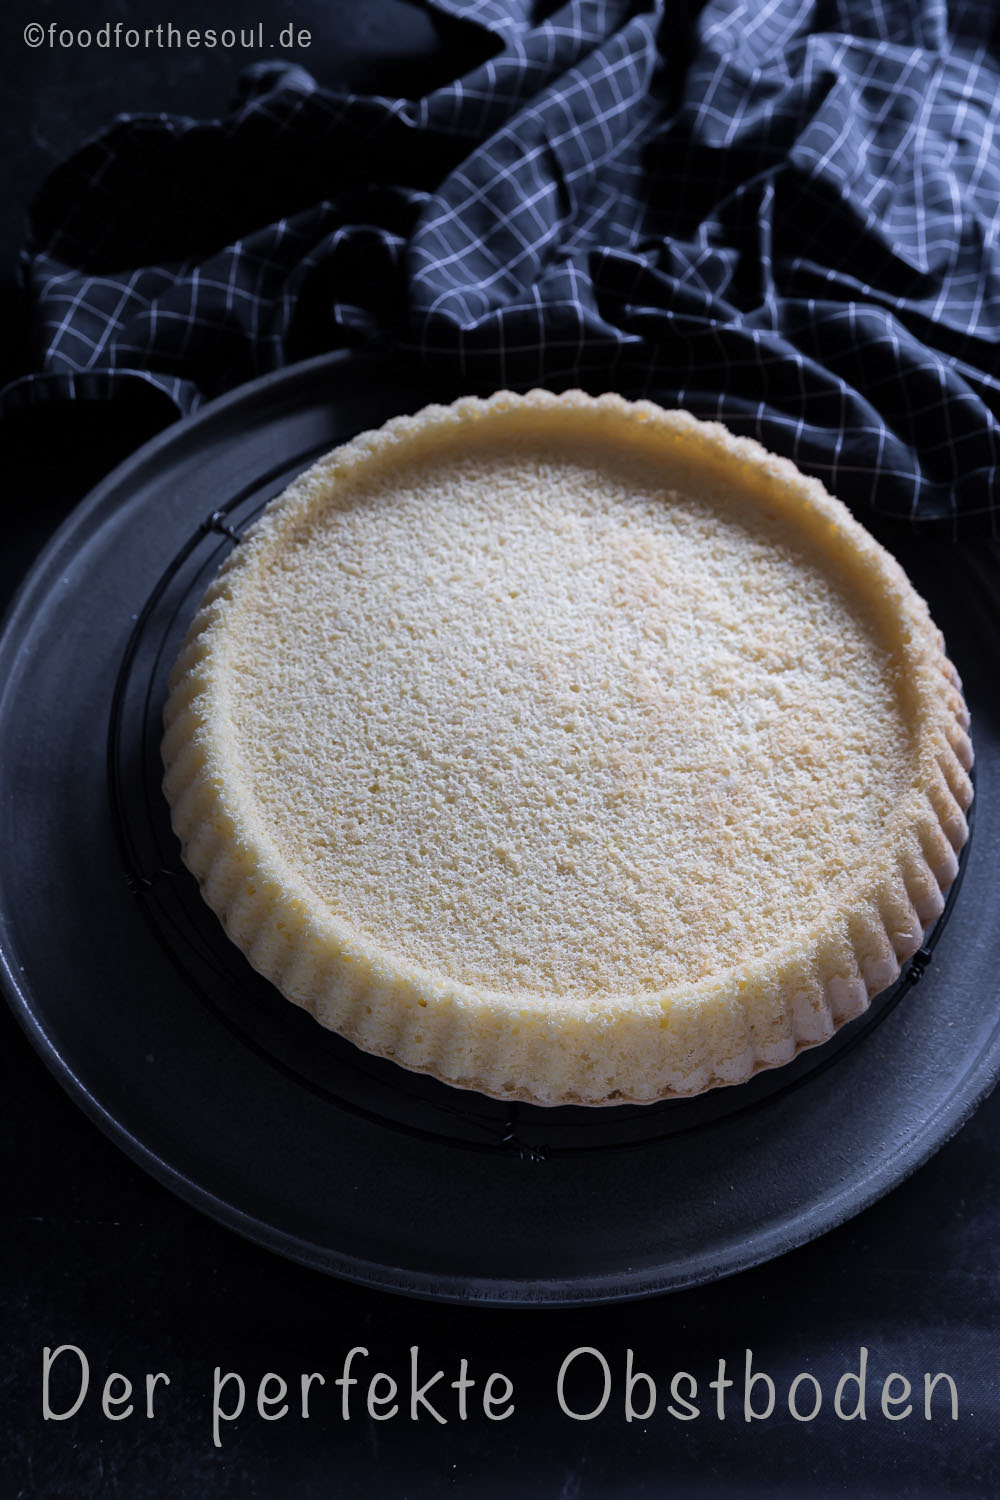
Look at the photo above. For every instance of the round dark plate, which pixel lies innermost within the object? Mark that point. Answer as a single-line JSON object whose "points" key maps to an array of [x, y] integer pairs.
{"points": [[242, 1105]]}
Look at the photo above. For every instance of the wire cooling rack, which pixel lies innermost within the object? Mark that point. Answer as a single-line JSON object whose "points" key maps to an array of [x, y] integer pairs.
{"points": [[217, 975]]}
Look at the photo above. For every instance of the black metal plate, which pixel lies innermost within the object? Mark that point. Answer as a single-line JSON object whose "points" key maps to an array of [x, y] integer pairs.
{"points": [[247, 1109]]}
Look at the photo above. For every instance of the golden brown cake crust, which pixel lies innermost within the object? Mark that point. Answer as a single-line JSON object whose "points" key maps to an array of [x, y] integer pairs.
{"points": [[568, 749]]}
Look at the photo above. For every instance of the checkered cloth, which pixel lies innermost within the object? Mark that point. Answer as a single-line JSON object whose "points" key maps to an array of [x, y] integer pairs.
{"points": [[778, 213]]}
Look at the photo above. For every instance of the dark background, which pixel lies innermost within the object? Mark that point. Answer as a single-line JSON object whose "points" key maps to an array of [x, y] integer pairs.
{"points": [[96, 1254]]}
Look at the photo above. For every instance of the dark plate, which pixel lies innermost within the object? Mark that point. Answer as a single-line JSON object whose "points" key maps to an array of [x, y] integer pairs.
{"points": [[246, 1108]]}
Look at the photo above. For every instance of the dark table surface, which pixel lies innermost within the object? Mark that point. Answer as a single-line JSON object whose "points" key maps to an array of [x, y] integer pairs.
{"points": [[97, 1255]]}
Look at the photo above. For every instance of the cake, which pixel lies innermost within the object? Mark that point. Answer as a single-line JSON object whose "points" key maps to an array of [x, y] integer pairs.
{"points": [[568, 749]]}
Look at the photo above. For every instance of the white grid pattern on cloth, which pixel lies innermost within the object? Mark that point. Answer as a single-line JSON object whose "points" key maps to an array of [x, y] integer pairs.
{"points": [[786, 220]]}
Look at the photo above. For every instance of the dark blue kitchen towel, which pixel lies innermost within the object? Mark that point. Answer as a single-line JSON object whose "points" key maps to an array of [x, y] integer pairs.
{"points": [[781, 213]]}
